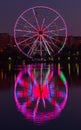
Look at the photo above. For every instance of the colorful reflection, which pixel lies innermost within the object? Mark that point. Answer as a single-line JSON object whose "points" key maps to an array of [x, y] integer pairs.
{"points": [[40, 92]]}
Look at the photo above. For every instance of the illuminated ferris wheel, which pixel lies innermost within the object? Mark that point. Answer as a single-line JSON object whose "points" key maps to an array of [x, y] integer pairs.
{"points": [[40, 31]]}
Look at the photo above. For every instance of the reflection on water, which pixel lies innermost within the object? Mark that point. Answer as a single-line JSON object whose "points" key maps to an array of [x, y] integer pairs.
{"points": [[8, 73], [46, 89], [9, 67], [77, 68], [6, 79], [40, 92], [69, 68]]}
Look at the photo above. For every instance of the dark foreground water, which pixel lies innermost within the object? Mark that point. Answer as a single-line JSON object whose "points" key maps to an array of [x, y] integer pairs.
{"points": [[26, 89]]}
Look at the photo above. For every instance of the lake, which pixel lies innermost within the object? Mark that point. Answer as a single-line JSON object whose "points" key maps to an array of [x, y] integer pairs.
{"points": [[40, 96]]}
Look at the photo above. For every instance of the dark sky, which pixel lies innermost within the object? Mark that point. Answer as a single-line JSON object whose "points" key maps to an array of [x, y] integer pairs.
{"points": [[69, 9]]}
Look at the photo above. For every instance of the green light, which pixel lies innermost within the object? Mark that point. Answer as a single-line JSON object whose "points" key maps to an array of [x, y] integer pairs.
{"points": [[62, 77]]}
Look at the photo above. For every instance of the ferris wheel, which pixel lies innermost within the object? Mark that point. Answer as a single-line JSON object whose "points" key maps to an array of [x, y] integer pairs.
{"points": [[40, 31]]}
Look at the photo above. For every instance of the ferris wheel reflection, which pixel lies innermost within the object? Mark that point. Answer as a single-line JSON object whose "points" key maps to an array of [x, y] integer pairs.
{"points": [[40, 92]]}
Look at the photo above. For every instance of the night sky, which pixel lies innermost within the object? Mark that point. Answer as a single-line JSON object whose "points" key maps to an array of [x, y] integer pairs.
{"points": [[69, 9]]}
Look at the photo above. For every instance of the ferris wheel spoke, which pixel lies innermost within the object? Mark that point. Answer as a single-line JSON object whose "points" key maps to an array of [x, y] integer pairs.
{"points": [[49, 77], [54, 33], [26, 27], [49, 45], [61, 29], [51, 22], [56, 30], [50, 38], [26, 35], [26, 45], [32, 47], [27, 103], [55, 104], [59, 94], [32, 77], [43, 23], [41, 49], [25, 40], [36, 107], [45, 45], [44, 104], [22, 25], [20, 30], [28, 23], [52, 42], [46, 76], [42, 46], [35, 18], [57, 40]]}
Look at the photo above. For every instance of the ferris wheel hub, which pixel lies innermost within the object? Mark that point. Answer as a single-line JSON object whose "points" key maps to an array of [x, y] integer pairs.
{"points": [[40, 32]]}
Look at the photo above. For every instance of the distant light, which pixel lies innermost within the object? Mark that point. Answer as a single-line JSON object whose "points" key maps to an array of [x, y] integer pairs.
{"points": [[58, 58], [9, 67], [9, 58], [69, 69], [59, 65], [69, 57], [77, 68], [77, 52]]}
